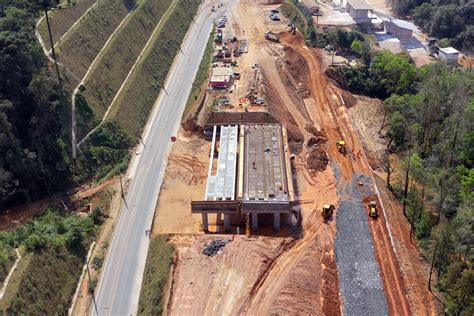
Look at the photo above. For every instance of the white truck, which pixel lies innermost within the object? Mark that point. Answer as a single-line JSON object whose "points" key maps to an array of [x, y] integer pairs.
{"points": [[272, 36]]}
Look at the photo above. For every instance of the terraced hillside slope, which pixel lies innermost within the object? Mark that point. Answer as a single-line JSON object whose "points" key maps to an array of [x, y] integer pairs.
{"points": [[113, 66], [81, 45], [132, 107], [62, 19]]}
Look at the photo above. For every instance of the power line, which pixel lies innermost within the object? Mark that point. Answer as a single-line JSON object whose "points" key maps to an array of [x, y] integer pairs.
{"points": [[53, 52]]}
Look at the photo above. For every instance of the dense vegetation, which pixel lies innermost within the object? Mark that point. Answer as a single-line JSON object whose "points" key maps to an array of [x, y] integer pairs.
{"points": [[105, 153], [381, 74], [429, 120], [33, 152], [58, 242], [155, 277], [434, 128], [449, 20]]}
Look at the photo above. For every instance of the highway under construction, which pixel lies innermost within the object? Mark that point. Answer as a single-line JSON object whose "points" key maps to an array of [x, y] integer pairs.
{"points": [[261, 176]]}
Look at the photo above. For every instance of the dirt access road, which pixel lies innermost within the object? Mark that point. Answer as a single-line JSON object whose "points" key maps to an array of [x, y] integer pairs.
{"points": [[336, 124]]}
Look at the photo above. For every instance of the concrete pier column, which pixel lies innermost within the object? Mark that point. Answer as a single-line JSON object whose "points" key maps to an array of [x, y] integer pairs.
{"points": [[219, 222], [276, 221], [254, 222], [205, 223], [227, 222]]}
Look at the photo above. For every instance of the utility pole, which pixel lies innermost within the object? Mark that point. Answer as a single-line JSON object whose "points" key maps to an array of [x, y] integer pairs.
{"points": [[92, 292], [317, 18], [45, 6], [123, 193]]}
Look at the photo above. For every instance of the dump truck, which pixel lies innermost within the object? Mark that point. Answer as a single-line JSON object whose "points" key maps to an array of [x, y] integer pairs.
{"points": [[327, 211], [373, 209], [272, 36], [341, 146]]}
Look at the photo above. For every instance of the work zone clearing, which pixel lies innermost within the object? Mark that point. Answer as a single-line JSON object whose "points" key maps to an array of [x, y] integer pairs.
{"points": [[259, 163]]}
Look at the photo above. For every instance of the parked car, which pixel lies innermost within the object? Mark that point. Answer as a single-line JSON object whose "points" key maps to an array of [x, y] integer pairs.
{"points": [[275, 11], [275, 18], [221, 25]]}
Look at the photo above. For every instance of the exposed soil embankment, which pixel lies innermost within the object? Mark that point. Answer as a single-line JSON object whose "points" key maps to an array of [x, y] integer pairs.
{"points": [[278, 109], [220, 284]]}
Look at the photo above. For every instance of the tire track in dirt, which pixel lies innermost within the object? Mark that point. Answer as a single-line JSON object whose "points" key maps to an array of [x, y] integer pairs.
{"points": [[389, 266], [415, 267], [279, 278]]}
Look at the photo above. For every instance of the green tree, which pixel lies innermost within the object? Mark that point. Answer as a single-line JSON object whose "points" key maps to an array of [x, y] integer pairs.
{"points": [[446, 22], [460, 298]]}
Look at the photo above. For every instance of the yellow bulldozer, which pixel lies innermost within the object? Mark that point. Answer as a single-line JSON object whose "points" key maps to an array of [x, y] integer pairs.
{"points": [[341, 146], [373, 209], [327, 211]]}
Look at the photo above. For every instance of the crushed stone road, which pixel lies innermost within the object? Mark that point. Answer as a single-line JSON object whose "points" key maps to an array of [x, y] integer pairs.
{"points": [[359, 274]]}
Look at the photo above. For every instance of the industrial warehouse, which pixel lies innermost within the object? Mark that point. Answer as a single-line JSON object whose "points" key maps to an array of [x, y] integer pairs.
{"points": [[249, 175]]}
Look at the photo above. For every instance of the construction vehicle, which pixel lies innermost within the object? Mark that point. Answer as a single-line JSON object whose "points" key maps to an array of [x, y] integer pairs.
{"points": [[341, 146], [272, 36], [293, 29], [327, 211], [373, 209]]}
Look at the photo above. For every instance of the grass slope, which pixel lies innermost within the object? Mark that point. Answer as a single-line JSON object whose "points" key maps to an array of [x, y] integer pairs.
{"points": [[155, 277], [79, 48], [6, 263], [54, 245], [124, 49], [62, 18], [48, 283], [132, 108], [14, 283], [202, 75]]}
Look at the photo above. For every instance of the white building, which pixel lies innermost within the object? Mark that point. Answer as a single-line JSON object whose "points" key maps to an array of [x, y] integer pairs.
{"points": [[359, 10], [449, 54]]}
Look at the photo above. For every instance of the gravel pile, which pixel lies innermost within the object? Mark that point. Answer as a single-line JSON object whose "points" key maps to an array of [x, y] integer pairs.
{"points": [[212, 248], [359, 275]]}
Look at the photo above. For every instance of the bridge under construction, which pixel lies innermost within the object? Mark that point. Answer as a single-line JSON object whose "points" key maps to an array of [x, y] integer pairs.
{"points": [[249, 175]]}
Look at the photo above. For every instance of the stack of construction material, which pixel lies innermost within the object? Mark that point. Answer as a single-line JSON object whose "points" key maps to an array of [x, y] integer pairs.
{"points": [[214, 246]]}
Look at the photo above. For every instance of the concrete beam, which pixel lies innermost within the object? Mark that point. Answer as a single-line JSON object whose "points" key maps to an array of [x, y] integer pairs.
{"points": [[205, 223], [255, 222], [240, 190], [276, 221], [211, 160], [286, 155], [227, 223]]}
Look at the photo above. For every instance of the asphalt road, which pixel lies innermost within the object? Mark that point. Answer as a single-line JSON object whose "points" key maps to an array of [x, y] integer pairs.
{"points": [[120, 282]]}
